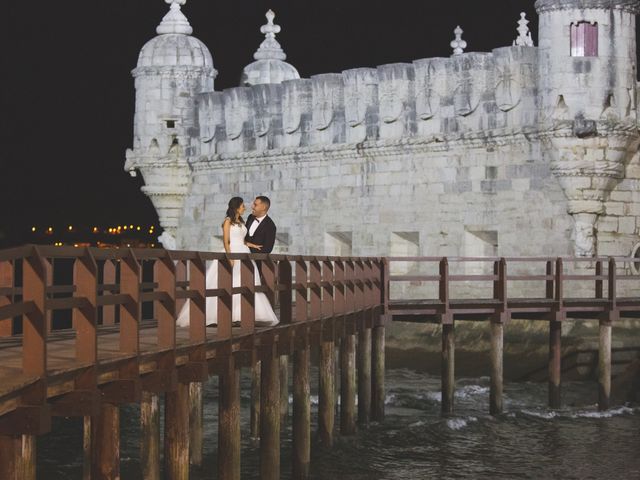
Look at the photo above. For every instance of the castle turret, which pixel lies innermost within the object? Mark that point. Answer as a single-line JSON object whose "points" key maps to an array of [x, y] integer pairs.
{"points": [[269, 65], [587, 81], [172, 69]]}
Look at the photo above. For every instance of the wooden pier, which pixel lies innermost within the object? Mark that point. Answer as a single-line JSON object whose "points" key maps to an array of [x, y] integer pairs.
{"points": [[121, 345], [598, 301], [109, 355]]}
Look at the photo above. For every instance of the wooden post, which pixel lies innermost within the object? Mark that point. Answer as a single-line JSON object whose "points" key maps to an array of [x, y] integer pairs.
{"points": [[284, 389], [17, 457], [377, 367], [555, 360], [150, 436], [198, 355], [604, 366], [109, 278], [49, 266], [195, 423], [270, 416], [105, 452], [555, 290], [604, 354], [301, 413], [364, 376], [497, 336], [448, 367], [326, 397], [229, 421], [9, 456], [495, 395], [377, 346], [6, 281], [176, 433], [86, 447], [34, 349], [27, 457], [348, 385], [255, 401], [326, 362]]}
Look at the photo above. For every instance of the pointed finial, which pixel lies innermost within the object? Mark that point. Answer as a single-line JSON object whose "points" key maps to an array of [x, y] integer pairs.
{"points": [[270, 49], [458, 44], [524, 38], [174, 21]]}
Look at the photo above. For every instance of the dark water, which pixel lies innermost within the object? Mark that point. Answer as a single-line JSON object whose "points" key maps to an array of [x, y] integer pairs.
{"points": [[415, 442]]}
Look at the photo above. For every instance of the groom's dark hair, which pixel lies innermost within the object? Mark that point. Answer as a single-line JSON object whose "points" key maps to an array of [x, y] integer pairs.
{"points": [[264, 199]]}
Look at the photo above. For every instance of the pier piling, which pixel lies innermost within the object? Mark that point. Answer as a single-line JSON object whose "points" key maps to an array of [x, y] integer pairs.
{"points": [[9, 456], [377, 374], [326, 397], [195, 423], [176, 433], [105, 443], [270, 415], [448, 367], [229, 421], [555, 361], [254, 420], [150, 436], [364, 376], [495, 395], [604, 366], [348, 385], [284, 390], [301, 413]]}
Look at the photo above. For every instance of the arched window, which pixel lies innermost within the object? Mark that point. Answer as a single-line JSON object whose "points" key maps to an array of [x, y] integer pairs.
{"points": [[584, 39]]}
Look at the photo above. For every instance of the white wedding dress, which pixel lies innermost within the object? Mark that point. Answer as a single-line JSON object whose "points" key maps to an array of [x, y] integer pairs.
{"points": [[264, 314]]}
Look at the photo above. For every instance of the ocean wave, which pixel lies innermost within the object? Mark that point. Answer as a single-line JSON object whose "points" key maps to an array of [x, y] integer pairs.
{"points": [[459, 423], [551, 414], [614, 412]]}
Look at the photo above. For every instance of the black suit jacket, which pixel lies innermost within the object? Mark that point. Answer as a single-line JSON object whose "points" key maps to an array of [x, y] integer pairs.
{"points": [[264, 235]]}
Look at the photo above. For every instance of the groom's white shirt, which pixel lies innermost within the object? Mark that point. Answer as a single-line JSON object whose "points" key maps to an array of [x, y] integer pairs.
{"points": [[255, 224]]}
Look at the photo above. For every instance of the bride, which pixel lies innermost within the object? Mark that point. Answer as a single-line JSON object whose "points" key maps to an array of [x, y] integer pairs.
{"points": [[233, 234]]}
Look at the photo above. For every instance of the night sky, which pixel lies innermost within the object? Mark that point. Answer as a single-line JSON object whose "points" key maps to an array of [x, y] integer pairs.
{"points": [[67, 96]]}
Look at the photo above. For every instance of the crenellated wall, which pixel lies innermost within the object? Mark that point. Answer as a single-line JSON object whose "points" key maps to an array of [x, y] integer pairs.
{"points": [[438, 97]]}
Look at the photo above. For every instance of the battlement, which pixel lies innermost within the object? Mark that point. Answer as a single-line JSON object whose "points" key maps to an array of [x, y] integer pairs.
{"points": [[444, 97]]}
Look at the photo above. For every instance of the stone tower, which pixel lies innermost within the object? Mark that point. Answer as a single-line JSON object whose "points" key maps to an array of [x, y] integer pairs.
{"points": [[173, 68], [587, 94]]}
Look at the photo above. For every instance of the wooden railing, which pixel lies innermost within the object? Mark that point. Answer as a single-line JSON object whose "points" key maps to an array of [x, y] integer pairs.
{"points": [[594, 297], [83, 330], [602, 283]]}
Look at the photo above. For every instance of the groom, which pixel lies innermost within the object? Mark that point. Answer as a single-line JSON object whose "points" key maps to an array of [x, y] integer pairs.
{"points": [[260, 228]]}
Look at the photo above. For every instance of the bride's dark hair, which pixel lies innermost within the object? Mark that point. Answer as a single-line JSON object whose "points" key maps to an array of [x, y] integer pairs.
{"points": [[232, 210]]}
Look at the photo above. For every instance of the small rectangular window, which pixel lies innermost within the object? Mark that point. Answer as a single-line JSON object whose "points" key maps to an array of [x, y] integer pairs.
{"points": [[171, 124], [584, 39]]}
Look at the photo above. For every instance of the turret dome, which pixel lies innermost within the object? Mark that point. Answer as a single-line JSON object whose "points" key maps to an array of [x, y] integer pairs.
{"points": [[174, 45], [270, 65]]}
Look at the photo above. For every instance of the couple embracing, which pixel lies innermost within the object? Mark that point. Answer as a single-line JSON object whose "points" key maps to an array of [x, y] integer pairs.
{"points": [[257, 235]]}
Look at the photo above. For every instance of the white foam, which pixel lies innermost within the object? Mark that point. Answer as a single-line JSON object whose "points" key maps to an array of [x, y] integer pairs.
{"points": [[470, 391], [614, 412], [390, 399], [551, 414], [459, 423], [547, 414], [419, 423]]}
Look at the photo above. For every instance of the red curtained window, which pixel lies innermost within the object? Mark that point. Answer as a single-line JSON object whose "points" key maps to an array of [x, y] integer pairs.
{"points": [[584, 39]]}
